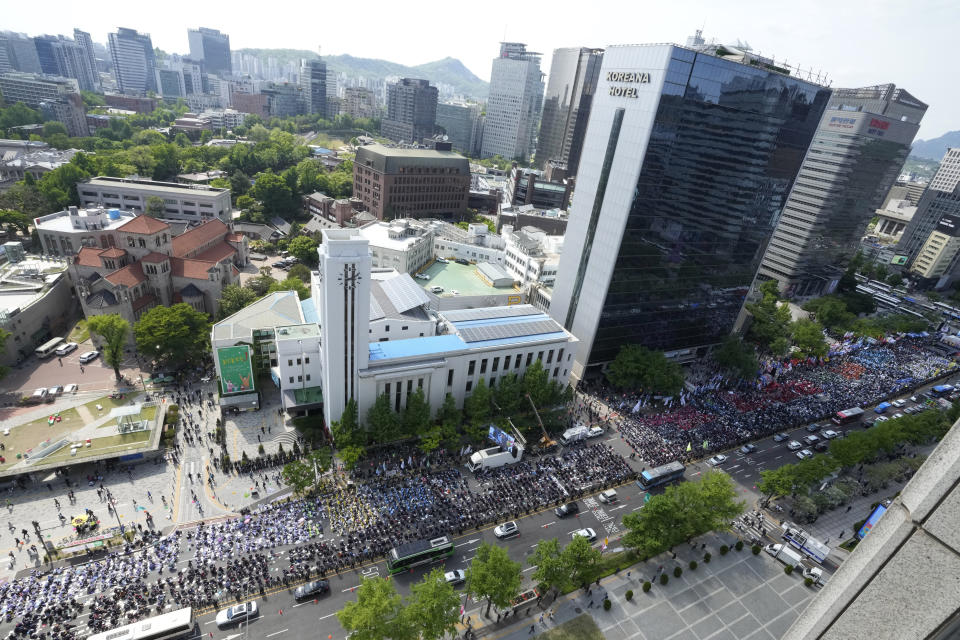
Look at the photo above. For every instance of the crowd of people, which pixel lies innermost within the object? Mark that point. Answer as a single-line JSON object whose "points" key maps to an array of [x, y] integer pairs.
{"points": [[715, 417]]}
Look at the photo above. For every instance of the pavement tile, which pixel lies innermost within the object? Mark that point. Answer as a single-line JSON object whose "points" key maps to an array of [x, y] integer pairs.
{"points": [[723, 634], [686, 634], [615, 633], [731, 612], [695, 612], [765, 604], [711, 584], [767, 570], [661, 621], [629, 627], [739, 582], [778, 628], [685, 598], [783, 582], [744, 626], [760, 635], [707, 626], [798, 594], [719, 599]]}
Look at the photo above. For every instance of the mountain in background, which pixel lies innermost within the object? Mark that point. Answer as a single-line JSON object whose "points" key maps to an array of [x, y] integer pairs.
{"points": [[935, 148], [447, 71]]}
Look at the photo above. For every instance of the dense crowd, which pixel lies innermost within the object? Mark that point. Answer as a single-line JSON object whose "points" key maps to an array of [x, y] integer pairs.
{"points": [[713, 417]]}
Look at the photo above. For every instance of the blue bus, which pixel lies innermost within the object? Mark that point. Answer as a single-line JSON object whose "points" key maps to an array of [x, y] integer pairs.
{"points": [[882, 407], [941, 390], [664, 474]]}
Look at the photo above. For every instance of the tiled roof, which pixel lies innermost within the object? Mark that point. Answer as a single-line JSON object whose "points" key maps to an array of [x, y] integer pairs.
{"points": [[101, 299], [216, 253], [198, 236], [130, 276], [187, 268], [153, 257], [143, 301], [113, 252], [234, 237], [143, 224], [88, 257]]}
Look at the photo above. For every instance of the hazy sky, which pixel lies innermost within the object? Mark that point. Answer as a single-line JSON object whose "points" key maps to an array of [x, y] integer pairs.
{"points": [[856, 43]]}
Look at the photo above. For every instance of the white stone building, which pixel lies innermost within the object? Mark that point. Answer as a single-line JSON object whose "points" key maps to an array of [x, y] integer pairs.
{"points": [[404, 245], [193, 202]]}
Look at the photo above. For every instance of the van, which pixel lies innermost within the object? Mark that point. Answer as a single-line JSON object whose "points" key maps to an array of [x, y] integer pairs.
{"points": [[574, 434], [784, 554], [608, 497]]}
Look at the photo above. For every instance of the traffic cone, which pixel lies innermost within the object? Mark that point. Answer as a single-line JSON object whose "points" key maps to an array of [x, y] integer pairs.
{"points": [[281, 611]]}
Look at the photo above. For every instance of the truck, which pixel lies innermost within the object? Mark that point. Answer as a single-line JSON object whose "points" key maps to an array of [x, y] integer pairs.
{"points": [[800, 539], [493, 457], [574, 434], [784, 554]]}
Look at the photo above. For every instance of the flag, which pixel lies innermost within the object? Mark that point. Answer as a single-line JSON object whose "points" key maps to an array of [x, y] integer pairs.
{"points": [[704, 444], [689, 447]]}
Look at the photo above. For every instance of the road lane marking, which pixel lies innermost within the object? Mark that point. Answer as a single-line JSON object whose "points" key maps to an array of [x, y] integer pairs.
{"points": [[635, 508], [329, 615], [349, 589], [299, 605], [474, 549], [530, 569], [620, 507], [733, 467], [275, 633]]}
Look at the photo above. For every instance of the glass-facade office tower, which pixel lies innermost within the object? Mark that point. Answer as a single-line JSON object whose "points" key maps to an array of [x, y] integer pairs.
{"points": [[513, 103], [686, 164], [566, 106], [411, 111], [941, 198], [212, 47], [134, 64], [856, 155], [313, 82], [84, 40]]}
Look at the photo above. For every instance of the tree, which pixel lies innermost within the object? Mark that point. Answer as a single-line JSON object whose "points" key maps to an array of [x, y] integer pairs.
{"points": [[808, 338], [274, 193], [304, 249], [4, 335], [59, 186], [113, 329], [416, 415], [155, 206], [261, 284], [239, 184], [301, 272], [737, 356], [233, 298], [508, 394], [551, 569], [177, 335], [494, 576], [377, 613], [382, 420], [19, 221], [448, 414], [291, 284], [166, 158], [894, 279], [346, 431], [54, 127], [536, 384], [299, 475], [771, 320], [582, 560], [477, 405], [637, 367], [831, 311], [433, 609]]}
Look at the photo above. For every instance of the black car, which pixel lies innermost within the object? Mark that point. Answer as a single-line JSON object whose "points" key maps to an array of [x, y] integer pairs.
{"points": [[748, 448], [568, 509], [813, 428], [463, 261], [312, 590], [823, 445]]}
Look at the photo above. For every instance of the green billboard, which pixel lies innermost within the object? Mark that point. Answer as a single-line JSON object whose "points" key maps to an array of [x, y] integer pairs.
{"points": [[236, 370]]}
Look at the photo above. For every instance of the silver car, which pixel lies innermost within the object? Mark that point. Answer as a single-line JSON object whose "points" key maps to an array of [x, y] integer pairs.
{"points": [[237, 614]]}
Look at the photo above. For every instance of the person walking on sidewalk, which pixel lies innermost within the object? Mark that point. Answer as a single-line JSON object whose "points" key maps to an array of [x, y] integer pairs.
{"points": [[532, 628]]}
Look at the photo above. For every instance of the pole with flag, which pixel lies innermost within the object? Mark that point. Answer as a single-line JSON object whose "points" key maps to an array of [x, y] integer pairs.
{"points": [[689, 446]]}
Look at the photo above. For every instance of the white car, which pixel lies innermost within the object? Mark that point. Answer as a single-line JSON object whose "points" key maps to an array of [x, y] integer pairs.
{"points": [[804, 454], [899, 403], [89, 356], [422, 276], [454, 577], [64, 349], [237, 614], [896, 415], [71, 388], [436, 289], [608, 497], [793, 445], [508, 529], [717, 460], [829, 434], [442, 260], [595, 432], [586, 532], [882, 419], [814, 573]]}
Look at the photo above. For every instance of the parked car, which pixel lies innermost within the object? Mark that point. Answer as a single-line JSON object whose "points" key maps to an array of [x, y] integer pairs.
{"points": [[567, 509], [899, 403], [237, 614], [896, 415], [821, 446], [463, 261], [64, 349], [814, 573], [813, 428], [442, 260], [508, 529], [312, 590], [881, 419], [454, 292], [55, 390], [455, 577], [89, 356], [811, 439], [595, 432], [914, 399], [748, 448], [804, 454], [830, 434], [586, 532], [71, 388], [422, 276], [717, 460], [793, 445], [436, 289], [780, 437], [608, 497]]}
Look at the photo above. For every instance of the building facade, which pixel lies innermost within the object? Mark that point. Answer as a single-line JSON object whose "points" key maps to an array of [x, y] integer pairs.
{"points": [[574, 73], [938, 252], [461, 122], [513, 104], [84, 40], [403, 245], [195, 203], [411, 183], [411, 111], [284, 99], [134, 62], [856, 155], [313, 86], [359, 102], [528, 186], [20, 53], [941, 198], [57, 98], [685, 166], [212, 48]]}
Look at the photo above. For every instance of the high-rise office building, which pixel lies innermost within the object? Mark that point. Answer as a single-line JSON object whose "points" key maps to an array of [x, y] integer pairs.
{"points": [[411, 111], [21, 52], [687, 161], [941, 198], [46, 55], [313, 84], [212, 48], [566, 106], [513, 103], [359, 102], [856, 155], [461, 122], [57, 98], [84, 40], [133, 61]]}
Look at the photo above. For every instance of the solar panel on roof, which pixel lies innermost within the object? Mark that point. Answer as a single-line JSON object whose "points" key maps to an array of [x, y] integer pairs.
{"points": [[462, 315], [404, 293], [376, 311], [508, 330]]}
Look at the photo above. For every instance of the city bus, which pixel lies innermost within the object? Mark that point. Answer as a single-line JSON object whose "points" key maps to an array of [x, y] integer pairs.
{"points": [[167, 626], [847, 416], [665, 474], [48, 348], [941, 390], [418, 552]]}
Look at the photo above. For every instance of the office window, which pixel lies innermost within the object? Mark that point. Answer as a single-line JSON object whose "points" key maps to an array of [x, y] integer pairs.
{"points": [[299, 378], [404, 328], [299, 361], [540, 357], [409, 386], [483, 366], [556, 370], [550, 356], [419, 383], [308, 377], [291, 379], [471, 367], [506, 363], [306, 360], [449, 377], [518, 361], [388, 328], [529, 358], [469, 385], [386, 389], [142, 242], [496, 364], [290, 362], [560, 355]]}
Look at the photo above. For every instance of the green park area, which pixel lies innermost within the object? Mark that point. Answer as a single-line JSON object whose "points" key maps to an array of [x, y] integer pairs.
{"points": [[102, 446], [28, 436], [580, 628]]}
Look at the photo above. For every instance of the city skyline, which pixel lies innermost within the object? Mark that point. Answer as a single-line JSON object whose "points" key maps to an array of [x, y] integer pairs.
{"points": [[853, 47]]}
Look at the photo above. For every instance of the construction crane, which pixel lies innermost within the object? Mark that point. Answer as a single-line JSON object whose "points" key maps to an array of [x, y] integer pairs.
{"points": [[546, 441]]}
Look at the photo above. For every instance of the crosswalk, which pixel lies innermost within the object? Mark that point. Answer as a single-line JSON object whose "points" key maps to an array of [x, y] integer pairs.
{"points": [[757, 526]]}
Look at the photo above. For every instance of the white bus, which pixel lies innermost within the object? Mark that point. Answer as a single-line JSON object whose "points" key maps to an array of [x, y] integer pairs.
{"points": [[167, 626], [48, 348]]}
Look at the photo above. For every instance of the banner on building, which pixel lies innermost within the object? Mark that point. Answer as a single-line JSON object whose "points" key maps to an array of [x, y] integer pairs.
{"points": [[236, 369]]}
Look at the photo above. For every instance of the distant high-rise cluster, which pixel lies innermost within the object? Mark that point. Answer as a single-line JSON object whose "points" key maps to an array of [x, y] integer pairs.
{"points": [[513, 105], [134, 62], [411, 111]]}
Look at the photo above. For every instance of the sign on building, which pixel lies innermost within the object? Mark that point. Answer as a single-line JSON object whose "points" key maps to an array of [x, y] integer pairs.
{"points": [[236, 369]]}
